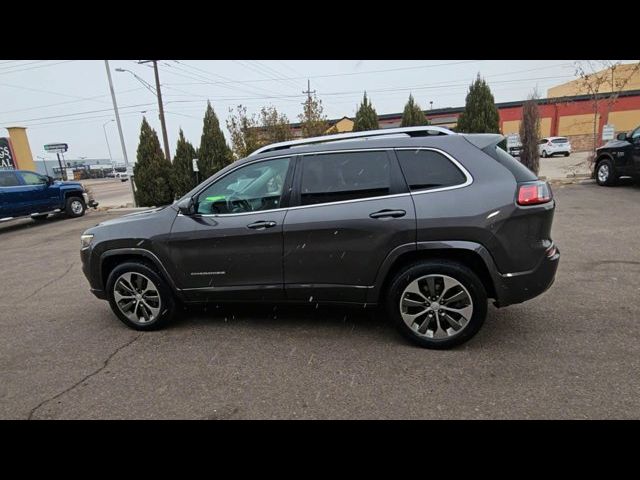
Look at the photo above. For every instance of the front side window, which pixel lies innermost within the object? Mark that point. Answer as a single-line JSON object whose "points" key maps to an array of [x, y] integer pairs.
{"points": [[31, 178], [8, 179], [426, 169], [250, 188], [636, 133], [336, 177]]}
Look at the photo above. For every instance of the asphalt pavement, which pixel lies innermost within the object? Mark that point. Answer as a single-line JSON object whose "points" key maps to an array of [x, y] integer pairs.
{"points": [[573, 352]]}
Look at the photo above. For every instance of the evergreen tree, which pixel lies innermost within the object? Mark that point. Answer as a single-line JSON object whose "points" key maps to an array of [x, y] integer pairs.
{"points": [[184, 178], [480, 113], [413, 116], [214, 154], [366, 116], [152, 171]]}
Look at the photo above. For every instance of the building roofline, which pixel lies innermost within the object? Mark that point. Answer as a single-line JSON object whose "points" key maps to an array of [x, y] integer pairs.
{"points": [[517, 103]]}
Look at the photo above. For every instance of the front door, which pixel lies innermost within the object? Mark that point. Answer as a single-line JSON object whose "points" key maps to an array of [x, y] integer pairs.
{"points": [[231, 248], [349, 211], [37, 194]]}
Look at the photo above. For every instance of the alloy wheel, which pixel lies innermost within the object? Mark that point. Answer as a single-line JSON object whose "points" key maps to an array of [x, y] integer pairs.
{"points": [[436, 306], [137, 297], [603, 173]]}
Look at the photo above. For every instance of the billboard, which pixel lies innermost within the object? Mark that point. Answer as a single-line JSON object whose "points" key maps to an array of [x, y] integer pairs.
{"points": [[6, 155]]}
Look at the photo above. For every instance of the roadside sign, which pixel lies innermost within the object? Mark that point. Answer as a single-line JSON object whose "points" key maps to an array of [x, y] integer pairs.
{"points": [[195, 165], [56, 147], [6, 157], [70, 175], [608, 132]]}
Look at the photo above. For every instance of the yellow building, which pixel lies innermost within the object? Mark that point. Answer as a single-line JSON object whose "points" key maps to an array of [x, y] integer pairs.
{"points": [[614, 79]]}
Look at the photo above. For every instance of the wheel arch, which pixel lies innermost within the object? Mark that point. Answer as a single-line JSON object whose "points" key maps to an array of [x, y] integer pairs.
{"points": [[470, 254], [112, 258]]}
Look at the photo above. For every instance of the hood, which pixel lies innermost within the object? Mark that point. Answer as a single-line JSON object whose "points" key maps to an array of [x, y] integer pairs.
{"points": [[68, 183], [133, 217], [614, 144]]}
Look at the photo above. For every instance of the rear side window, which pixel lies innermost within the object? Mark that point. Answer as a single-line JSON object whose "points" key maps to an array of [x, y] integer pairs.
{"points": [[426, 169], [559, 140], [8, 179], [543, 141], [335, 177]]}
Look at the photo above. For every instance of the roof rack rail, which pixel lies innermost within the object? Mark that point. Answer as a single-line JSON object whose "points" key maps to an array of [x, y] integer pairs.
{"points": [[410, 131]]}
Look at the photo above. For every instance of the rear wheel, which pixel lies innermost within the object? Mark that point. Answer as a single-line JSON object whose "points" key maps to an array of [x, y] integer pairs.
{"points": [[139, 296], [437, 304], [75, 207], [605, 173], [566, 154]]}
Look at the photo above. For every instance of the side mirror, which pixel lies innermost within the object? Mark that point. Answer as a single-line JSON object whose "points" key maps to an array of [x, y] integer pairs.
{"points": [[50, 180], [186, 206], [622, 136]]}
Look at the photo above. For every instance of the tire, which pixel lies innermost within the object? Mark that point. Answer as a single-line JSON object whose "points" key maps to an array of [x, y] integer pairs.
{"points": [[144, 315], [544, 154], [605, 173], [566, 154], [75, 207], [40, 218], [462, 283]]}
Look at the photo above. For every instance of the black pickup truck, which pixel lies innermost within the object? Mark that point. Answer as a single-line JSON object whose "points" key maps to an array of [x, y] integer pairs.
{"points": [[618, 158]]}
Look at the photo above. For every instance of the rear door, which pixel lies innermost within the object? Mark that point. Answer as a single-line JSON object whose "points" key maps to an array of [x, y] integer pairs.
{"points": [[350, 209]]}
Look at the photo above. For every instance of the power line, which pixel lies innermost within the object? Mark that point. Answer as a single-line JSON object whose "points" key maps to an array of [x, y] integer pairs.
{"points": [[35, 67]]}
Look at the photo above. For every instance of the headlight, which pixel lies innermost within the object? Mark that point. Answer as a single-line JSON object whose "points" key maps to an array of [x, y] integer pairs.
{"points": [[85, 239]]}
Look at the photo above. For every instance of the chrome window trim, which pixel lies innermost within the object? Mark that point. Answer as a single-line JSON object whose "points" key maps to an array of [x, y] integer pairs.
{"points": [[468, 181], [468, 177]]}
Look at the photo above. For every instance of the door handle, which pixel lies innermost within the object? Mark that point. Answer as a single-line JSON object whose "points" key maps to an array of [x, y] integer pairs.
{"points": [[388, 214], [261, 225]]}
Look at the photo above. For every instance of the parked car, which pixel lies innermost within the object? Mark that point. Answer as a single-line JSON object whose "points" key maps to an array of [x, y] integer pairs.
{"points": [[123, 176], [24, 193], [514, 145], [426, 221], [618, 158], [550, 146]]}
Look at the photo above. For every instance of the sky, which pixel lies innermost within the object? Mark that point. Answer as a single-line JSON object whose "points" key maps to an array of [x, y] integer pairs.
{"points": [[68, 101]]}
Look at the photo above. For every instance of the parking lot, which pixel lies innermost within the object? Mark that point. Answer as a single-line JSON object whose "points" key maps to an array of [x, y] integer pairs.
{"points": [[574, 352]]}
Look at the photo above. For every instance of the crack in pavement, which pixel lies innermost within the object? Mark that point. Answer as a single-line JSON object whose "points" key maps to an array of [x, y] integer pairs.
{"points": [[47, 284], [92, 374]]}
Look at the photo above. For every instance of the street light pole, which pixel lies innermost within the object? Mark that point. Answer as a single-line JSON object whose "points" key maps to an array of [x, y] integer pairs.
{"points": [[115, 108], [44, 161], [107, 140]]}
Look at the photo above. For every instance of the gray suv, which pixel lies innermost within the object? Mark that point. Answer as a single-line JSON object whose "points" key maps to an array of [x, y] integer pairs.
{"points": [[429, 223]]}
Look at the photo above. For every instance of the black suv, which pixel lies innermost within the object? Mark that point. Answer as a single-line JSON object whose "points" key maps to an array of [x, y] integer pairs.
{"points": [[428, 222], [618, 158]]}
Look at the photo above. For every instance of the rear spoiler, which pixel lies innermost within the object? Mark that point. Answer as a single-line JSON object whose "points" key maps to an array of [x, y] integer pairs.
{"points": [[484, 140]]}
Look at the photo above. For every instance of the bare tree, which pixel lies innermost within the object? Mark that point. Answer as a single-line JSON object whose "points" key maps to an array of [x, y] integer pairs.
{"points": [[530, 134], [597, 78]]}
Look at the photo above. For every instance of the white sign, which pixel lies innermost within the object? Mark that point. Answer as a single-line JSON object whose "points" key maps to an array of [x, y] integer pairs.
{"points": [[608, 131], [195, 165], [56, 147], [70, 174]]}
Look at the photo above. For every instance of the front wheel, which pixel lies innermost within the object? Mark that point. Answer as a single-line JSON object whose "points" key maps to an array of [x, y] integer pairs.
{"points": [[606, 174], [139, 296], [437, 304], [75, 207], [544, 154]]}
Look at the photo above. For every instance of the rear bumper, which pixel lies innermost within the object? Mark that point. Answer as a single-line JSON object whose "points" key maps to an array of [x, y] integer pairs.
{"points": [[512, 288]]}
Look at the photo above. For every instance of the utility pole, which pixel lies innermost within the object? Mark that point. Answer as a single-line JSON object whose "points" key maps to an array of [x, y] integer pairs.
{"points": [[115, 108], [165, 138], [308, 92]]}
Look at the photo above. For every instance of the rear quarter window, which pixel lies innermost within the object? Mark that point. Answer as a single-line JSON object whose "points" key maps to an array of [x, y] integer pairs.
{"points": [[428, 169]]}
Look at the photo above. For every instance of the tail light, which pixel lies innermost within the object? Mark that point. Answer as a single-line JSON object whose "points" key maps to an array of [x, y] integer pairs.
{"points": [[534, 193]]}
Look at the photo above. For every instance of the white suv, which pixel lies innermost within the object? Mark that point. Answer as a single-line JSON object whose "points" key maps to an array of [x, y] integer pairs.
{"points": [[550, 146]]}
